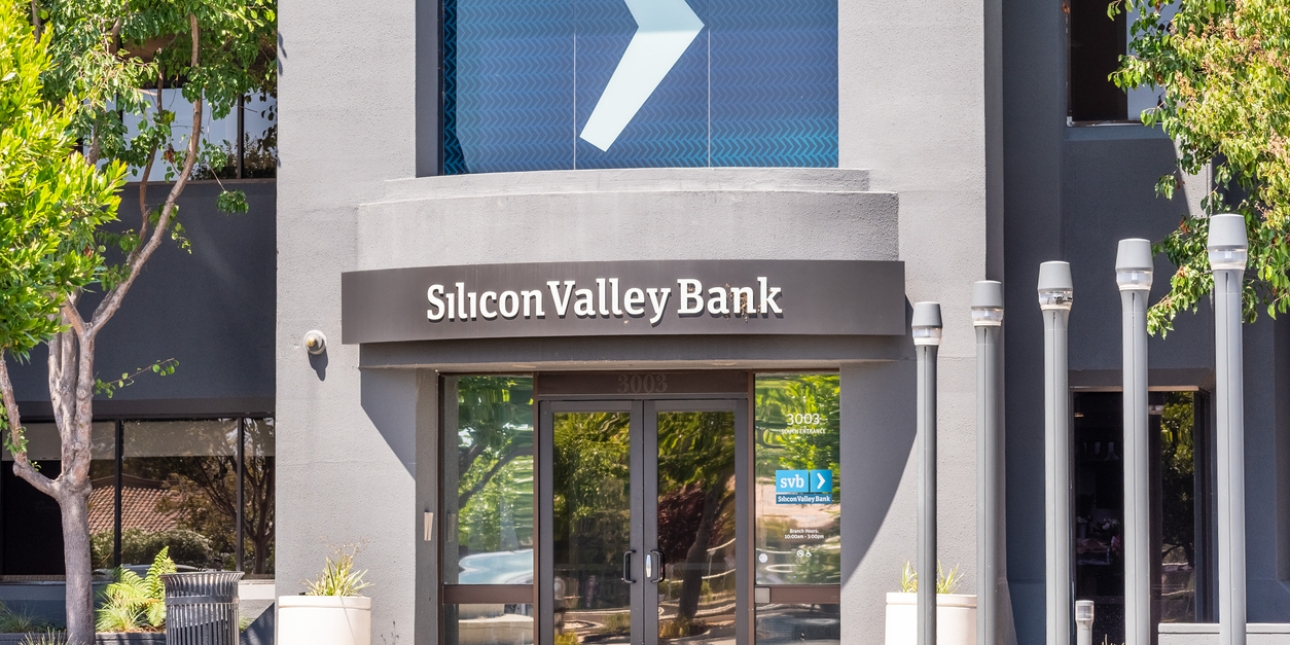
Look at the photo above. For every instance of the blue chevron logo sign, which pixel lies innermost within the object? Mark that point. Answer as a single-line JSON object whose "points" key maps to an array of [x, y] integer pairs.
{"points": [[574, 84], [664, 30]]}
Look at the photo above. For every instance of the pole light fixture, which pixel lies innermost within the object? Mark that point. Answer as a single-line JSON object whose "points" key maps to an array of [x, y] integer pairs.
{"points": [[1228, 249], [1056, 292], [1133, 271], [987, 318], [926, 330]]}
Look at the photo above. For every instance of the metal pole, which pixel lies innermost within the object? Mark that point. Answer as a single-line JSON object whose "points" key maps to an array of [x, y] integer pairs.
{"points": [[1055, 294], [1228, 247], [987, 318], [1133, 268], [926, 326]]}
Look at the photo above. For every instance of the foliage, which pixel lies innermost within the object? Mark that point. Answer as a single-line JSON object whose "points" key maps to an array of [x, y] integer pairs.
{"points": [[138, 546], [133, 603], [1224, 66], [495, 462], [566, 638], [1178, 478], [946, 583], [51, 200], [46, 637], [149, 46], [14, 621], [338, 577]]}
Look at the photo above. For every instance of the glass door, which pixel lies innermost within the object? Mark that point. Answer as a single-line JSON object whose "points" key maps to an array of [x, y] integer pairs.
{"points": [[638, 522], [691, 520]]}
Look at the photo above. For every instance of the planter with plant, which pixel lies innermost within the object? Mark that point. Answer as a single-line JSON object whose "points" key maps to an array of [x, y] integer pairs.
{"points": [[955, 613], [331, 611]]}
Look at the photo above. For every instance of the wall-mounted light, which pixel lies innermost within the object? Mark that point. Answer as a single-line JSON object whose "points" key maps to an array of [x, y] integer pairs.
{"points": [[315, 341]]}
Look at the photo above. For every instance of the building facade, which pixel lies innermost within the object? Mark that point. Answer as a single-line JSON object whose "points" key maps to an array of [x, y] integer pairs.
{"points": [[615, 298]]}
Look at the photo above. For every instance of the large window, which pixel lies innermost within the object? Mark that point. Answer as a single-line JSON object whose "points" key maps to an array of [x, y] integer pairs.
{"points": [[1181, 508], [487, 506], [202, 488], [557, 85]]}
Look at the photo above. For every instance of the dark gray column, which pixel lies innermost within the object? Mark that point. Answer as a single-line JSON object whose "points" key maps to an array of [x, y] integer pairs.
{"points": [[987, 318], [926, 328]]}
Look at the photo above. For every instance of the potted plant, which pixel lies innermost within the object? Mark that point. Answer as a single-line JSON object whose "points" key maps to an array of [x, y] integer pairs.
{"points": [[331, 611], [955, 613]]}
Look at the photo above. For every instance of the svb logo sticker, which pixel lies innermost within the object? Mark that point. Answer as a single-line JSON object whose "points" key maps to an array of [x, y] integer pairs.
{"points": [[803, 486]]}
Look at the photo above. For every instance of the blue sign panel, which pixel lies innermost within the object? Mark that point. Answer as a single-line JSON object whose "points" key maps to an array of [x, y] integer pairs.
{"points": [[559, 84], [803, 486]]}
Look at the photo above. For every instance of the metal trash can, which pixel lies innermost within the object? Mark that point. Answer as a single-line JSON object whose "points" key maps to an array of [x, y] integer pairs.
{"points": [[201, 608]]}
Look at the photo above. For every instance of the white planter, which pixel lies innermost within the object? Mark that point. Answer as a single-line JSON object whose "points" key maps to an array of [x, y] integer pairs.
{"points": [[955, 619], [324, 620]]}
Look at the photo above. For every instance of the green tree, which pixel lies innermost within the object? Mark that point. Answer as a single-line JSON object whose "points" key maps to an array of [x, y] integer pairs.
{"points": [[1224, 68], [76, 69]]}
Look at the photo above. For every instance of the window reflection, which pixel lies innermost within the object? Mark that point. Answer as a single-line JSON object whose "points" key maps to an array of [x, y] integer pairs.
{"points": [[179, 489], [258, 497], [797, 458], [33, 533], [489, 464], [488, 624]]}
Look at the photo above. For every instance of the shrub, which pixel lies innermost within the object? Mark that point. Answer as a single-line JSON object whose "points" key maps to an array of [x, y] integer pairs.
{"points": [[133, 603]]}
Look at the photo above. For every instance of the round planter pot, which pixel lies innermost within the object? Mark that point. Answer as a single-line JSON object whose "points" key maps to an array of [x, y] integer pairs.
{"points": [[324, 620], [955, 619]]}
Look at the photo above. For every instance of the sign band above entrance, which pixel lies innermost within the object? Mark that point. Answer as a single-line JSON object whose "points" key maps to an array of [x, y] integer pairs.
{"points": [[803, 297]]}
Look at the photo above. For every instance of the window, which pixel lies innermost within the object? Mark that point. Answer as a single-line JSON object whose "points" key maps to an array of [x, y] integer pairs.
{"points": [[487, 506], [1096, 44], [527, 85], [248, 136], [192, 486], [797, 523], [1181, 513]]}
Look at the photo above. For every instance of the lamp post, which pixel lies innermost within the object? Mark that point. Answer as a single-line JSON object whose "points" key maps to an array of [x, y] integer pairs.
{"points": [[1228, 248], [1133, 267], [987, 318], [1055, 294], [926, 328]]}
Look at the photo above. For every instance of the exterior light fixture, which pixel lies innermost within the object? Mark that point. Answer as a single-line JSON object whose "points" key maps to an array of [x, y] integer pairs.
{"points": [[1228, 251], [315, 341], [987, 318], [926, 328], [1133, 265], [1056, 293]]}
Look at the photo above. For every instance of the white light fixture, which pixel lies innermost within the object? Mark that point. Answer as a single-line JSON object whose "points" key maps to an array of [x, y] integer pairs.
{"points": [[315, 341], [926, 324], [1228, 246]]}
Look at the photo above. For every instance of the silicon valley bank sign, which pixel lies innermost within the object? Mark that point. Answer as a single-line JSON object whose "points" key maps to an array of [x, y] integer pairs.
{"points": [[804, 297]]}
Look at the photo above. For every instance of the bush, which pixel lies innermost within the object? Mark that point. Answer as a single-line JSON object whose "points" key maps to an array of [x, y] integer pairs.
{"points": [[134, 603], [188, 547]]}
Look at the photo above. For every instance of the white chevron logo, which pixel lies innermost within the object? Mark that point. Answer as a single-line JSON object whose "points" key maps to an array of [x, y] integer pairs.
{"points": [[664, 29]]}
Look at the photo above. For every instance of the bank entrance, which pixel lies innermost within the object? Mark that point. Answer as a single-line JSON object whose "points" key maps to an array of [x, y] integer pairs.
{"points": [[614, 508]]}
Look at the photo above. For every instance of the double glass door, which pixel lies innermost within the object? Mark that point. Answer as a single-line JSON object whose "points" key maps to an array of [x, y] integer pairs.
{"points": [[638, 514]]}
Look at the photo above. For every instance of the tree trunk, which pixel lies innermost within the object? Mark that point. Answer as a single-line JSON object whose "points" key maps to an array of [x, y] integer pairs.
{"points": [[74, 503], [697, 555]]}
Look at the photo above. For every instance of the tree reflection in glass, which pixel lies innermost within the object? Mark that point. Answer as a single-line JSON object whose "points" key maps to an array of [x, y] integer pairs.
{"points": [[696, 525], [488, 448], [797, 428]]}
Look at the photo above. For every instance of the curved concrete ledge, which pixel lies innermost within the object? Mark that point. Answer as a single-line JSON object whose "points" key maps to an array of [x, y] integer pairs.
{"points": [[628, 180], [639, 214]]}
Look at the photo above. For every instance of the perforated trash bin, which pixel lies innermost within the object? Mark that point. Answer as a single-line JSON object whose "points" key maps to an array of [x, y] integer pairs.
{"points": [[201, 608]]}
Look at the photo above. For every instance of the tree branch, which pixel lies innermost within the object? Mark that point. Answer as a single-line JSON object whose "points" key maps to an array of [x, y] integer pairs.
{"points": [[147, 169], [21, 465], [510, 456], [35, 20], [139, 256]]}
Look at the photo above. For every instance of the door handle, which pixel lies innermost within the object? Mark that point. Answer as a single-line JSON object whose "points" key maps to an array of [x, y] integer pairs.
{"points": [[627, 567], [654, 565]]}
